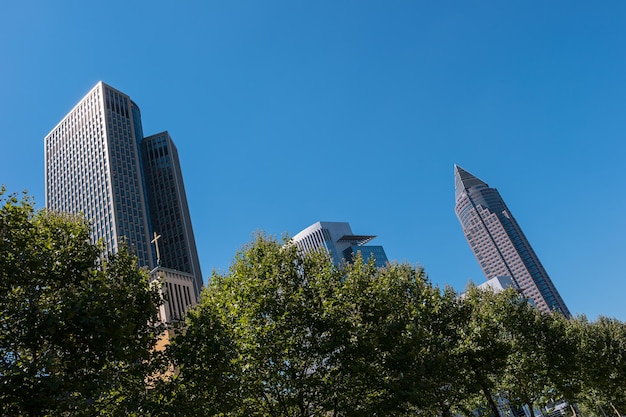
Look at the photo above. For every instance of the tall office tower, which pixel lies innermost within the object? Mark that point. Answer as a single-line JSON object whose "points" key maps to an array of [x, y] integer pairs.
{"points": [[94, 166], [167, 202], [337, 239], [498, 242]]}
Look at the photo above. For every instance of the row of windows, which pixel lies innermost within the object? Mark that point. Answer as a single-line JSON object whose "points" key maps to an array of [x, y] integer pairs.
{"points": [[127, 186], [85, 116], [116, 102], [165, 207], [80, 154], [500, 246], [76, 169], [314, 241], [179, 300]]}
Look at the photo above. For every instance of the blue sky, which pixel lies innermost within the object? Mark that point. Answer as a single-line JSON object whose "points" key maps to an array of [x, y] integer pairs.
{"points": [[290, 112]]}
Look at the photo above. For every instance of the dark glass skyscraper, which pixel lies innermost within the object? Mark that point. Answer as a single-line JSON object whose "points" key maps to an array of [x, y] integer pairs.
{"points": [[167, 201], [94, 165], [499, 243]]}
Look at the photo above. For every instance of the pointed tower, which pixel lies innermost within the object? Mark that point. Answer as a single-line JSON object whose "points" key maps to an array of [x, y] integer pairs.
{"points": [[498, 242]]}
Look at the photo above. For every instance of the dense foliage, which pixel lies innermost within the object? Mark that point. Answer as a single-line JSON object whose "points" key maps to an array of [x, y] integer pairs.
{"points": [[279, 334], [76, 329], [287, 334]]}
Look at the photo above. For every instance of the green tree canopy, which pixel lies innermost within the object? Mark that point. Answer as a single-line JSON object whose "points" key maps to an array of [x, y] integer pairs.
{"points": [[289, 334], [280, 334], [76, 328], [602, 363]]}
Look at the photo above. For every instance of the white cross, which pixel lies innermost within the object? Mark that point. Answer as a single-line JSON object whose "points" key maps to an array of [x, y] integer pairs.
{"points": [[156, 243]]}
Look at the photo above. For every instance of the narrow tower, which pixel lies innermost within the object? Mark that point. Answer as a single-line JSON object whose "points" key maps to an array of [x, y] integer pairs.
{"points": [[167, 203], [499, 243]]}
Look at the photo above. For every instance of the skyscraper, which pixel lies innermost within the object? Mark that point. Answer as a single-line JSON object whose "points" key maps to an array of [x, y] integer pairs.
{"points": [[94, 165], [337, 239], [167, 203], [499, 243]]}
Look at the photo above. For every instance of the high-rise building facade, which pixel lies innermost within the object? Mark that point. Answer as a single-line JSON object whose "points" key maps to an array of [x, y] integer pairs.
{"points": [[499, 243], [167, 204], [94, 166], [338, 240]]}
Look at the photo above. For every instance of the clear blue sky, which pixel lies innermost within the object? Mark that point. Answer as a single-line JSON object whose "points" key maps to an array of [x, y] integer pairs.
{"points": [[290, 112]]}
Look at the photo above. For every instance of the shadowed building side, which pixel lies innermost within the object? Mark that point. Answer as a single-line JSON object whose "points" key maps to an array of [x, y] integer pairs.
{"points": [[169, 212]]}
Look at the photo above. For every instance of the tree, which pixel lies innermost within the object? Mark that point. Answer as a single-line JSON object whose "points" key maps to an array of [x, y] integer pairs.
{"points": [[393, 348], [602, 354], [564, 359], [444, 382], [268, 318], [201, 379], [288, 334], [535, 349], [77, 328], [484, 345]]}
